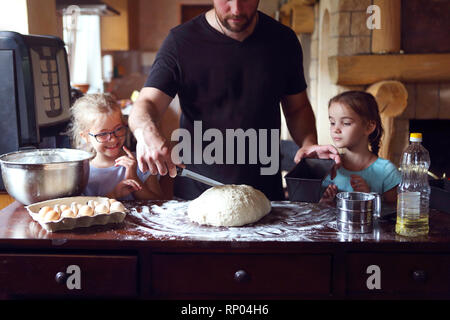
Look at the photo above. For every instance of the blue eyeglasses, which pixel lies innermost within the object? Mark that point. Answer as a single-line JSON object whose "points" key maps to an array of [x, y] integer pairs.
{"points": [[106, 136]]}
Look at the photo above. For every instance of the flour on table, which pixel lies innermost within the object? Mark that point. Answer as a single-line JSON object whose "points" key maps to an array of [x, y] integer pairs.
{"points": [[287, 221]]}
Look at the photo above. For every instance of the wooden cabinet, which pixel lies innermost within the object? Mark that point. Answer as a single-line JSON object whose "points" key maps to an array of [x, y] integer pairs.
{"points": [[241, 274], [53, 275], [120, 32], [126, 261], [398, 274], [190, 275]]}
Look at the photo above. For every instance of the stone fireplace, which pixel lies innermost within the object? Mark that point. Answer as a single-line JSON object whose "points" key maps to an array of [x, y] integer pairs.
{"points": [[343, 54]]}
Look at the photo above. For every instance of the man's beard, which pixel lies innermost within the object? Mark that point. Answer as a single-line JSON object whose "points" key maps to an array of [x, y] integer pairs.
{"points": [[237, 28]]}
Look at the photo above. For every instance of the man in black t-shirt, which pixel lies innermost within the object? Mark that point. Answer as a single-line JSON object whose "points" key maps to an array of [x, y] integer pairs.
{"points": [[231, 68]]}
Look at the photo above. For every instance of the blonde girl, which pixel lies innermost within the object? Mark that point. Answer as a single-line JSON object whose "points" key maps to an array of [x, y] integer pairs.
{"points": [[355, 126], [98, 126]]}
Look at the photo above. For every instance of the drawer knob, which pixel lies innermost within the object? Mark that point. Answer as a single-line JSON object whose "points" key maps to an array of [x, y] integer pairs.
{"points": [[241, 276], [419, 275], [61, 277]]}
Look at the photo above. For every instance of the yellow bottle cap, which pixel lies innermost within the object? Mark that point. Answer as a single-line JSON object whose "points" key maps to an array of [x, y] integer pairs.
{"points": [[416, 136], [134, 95]]}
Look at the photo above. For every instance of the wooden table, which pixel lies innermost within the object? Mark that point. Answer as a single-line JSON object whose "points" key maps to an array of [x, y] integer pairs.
{"points": [[5, 199], [133, 260]]}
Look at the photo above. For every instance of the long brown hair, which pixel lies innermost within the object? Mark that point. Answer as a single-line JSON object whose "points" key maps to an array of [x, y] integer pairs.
{"points": [[365, 105]]}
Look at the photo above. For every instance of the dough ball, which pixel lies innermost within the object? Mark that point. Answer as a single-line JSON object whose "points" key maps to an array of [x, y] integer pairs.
{"points": [[112, 200], [229, 206], [44, 210], [51, 215], [101, 208], [85, 211], [117, 207], [68, 213]]}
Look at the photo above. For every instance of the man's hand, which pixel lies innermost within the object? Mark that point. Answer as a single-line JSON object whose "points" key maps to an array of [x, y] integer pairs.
{"points": [[318, 151], [321, 152], [154, 153]]}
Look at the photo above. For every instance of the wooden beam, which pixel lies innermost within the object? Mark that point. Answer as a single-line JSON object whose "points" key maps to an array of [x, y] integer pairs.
{"points": [[368, 69], [304, 2], [388, 38], [42, 17], [287, 7], [392, 99], [285, 19], [302, 19]]}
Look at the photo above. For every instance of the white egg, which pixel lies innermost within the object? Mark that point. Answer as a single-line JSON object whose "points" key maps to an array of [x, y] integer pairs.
{"points": [[85, 211], [117, 207], [68, 213], [101, 208], [51, 215]]}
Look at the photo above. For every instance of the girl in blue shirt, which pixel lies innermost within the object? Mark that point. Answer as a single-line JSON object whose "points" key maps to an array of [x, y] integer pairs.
{"points": [[355, 126], [98, 126]]}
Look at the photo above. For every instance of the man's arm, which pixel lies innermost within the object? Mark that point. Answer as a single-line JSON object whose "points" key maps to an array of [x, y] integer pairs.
{"points": [[300, 119], [152, 149], [148, 108]]}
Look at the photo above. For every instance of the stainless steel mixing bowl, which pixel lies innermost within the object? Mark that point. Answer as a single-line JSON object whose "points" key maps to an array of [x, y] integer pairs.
{"points": [[42, 174]]}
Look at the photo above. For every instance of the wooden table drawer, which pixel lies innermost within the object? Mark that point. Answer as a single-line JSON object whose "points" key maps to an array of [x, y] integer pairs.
{"points": [[405, 274], [255, 274], [76, 275]]}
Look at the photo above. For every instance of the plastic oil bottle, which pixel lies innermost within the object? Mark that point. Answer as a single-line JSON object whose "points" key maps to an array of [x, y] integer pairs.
{"points": [[414, 190]]}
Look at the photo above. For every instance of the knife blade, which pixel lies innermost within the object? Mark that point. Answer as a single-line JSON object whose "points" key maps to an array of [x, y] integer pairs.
{"points": [[198, 177]]}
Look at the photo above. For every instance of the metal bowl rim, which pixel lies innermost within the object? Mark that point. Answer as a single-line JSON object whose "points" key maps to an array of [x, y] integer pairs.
{"points": [[340, 195], [89, 157]]}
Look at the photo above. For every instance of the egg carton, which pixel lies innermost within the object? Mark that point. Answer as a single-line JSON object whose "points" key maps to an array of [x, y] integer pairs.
{"points": [[69, 223]]}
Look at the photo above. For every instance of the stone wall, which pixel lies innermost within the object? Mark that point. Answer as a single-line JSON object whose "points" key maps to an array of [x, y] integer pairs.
{"points": [[340, 29], [425, 101]]}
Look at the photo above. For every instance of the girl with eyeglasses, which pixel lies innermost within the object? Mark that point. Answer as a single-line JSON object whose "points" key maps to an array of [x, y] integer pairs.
{"points": [[98, 126]]}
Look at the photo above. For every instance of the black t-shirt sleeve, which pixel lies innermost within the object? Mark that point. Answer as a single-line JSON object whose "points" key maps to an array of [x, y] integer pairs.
{"points": [[164, 73], [296, 82]]}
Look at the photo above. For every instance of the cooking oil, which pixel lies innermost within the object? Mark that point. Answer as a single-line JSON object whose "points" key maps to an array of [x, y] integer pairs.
{"points": [[412, 227], [413, 193]]}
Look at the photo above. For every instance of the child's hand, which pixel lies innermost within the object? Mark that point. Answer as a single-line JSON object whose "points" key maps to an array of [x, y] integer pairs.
{"points": [[125, 187], [130, 164], [329, 195], [359, 184]]}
